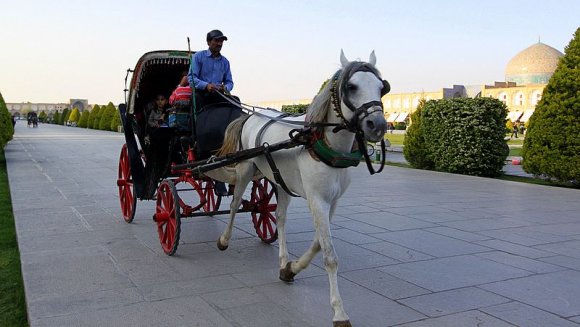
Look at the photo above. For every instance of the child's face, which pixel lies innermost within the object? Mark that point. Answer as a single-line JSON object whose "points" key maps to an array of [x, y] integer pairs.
{"points": [[161, 101]]}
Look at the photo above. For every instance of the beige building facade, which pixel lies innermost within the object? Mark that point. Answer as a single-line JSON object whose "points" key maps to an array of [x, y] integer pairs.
{"points": [[526, 77]]}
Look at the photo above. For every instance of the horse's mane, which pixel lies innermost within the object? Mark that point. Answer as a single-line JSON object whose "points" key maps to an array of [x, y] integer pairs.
{"points": [[318, 109]]}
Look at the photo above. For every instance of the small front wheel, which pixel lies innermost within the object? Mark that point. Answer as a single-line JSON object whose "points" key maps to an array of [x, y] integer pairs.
{"points": [[168, 217], [126, 186]]}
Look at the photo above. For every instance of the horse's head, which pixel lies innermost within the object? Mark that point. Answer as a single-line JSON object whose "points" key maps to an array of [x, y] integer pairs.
{"points": [[356, 96]]}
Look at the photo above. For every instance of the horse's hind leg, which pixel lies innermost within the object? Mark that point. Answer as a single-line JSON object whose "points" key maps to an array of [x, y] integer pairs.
{"points": [[283, 200], [244, 173]]}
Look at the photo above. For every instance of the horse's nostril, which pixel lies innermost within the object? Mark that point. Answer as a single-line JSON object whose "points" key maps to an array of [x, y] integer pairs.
{"points": [[370, 125]]}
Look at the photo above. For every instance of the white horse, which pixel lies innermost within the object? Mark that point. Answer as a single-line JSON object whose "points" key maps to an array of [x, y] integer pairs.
{"points": [[349, 104]]}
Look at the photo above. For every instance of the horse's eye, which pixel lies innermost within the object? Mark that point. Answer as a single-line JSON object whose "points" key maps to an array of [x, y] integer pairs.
{"points": [[352, 87]]}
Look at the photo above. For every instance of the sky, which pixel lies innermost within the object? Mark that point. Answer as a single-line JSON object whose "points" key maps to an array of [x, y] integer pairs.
{"points": [[53, 51]]}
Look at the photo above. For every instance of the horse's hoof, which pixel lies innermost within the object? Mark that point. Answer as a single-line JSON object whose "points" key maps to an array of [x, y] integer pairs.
{"points": [[345, 323], [221, 246], [286, 273]]}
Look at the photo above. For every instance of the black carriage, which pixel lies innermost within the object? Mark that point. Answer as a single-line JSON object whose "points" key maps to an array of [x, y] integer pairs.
{"points": [[155, 162]]}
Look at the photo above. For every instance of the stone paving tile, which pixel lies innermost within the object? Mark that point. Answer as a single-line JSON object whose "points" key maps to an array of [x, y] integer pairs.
{"points": [[187, 311], [431, 243], [233, 298], [397, 252], [70, 271], [359, 226], [571, 248], [458, 234], [389, 221], [476, 225], [161, 290], [264, 314], [454, 301], [310, 296], [50, 306], [350, 257], [520, 314], [531, 265], [453, 272], [563, 261], [557, 292], [516, 249], [463, 319], [392, 287], [512, 235], [353, 237]]}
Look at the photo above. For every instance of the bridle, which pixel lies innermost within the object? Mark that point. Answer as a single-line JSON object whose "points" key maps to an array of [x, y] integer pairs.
{"points": [[360, 113]]}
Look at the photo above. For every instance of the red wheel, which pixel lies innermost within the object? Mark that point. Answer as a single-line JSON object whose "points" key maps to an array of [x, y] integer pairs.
{"points": [[263, 195], [126, 186], [168, 217], [213, 201]]}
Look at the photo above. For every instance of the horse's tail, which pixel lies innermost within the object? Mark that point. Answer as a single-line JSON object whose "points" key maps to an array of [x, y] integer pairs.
{"points": [[233, 135]]}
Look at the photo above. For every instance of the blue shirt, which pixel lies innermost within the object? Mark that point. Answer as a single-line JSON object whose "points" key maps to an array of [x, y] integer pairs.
{"points": [[207, 69]]}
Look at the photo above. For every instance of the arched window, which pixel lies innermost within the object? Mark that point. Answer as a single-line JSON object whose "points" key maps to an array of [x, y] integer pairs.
{"points": [[519, 99], [536, 97], [406, 103], [397, 103], [502, 97]]}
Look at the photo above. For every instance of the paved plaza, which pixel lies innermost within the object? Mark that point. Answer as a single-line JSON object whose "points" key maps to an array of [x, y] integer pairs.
{"points": [[416, 249]]}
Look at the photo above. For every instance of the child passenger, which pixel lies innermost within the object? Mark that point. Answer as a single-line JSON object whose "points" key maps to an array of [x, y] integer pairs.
{"points": [[157, 115]]}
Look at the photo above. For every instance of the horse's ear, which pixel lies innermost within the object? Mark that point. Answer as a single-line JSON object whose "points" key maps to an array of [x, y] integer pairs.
{"points": [[373, 58], [343, 60]]}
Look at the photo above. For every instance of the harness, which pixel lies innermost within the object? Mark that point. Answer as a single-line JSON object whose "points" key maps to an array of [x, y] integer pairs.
{"points": [[312, 135]]}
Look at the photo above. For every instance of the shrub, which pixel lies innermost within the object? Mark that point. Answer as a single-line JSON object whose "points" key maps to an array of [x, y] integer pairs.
{"points": [[552, 144], [95, 117], [84, 120], [466, 136], [64, 116], [414, 148], [74, 116], [6, 127], [295, 109], [116, 122], [106, 117], [42, 117]]}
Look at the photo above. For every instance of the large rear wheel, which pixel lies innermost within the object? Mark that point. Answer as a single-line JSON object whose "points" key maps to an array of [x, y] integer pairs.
{"points": [[212, 201], [126, 186], [168, 217], [263, 199]]}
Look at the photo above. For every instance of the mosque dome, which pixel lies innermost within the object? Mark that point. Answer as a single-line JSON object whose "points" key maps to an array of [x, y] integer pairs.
{"points": [[533, 65]]}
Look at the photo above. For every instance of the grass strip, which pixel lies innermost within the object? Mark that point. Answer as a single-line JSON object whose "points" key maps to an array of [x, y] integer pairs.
{"points": [[12, 301]]}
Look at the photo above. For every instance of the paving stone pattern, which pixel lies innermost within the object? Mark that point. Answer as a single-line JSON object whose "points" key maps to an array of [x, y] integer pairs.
{"points": [[416, 248]]}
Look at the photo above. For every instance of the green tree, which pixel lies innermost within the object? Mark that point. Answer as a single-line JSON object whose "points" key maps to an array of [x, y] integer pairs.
{"points": [[107, 117], [466, 136], [64, 116], [552, 144], [84, 120], [56, 118], [42, 117], [74, 116], [94, 117], [6, 126], [414, 149], [116, 122]]}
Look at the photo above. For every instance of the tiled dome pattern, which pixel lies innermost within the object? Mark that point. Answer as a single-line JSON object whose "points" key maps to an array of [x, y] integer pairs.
{"points": [[533, 65]]}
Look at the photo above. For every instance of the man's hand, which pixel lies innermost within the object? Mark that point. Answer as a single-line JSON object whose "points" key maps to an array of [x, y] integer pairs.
{"points": [[212, 87]]}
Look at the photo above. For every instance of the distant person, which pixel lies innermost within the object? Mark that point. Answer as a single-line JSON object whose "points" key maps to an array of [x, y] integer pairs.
{"points": [[514, 131], [210, 71], [13, 120]]}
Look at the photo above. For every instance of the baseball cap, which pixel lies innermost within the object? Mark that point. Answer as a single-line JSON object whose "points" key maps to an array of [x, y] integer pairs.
{"points": [[215, 34]]}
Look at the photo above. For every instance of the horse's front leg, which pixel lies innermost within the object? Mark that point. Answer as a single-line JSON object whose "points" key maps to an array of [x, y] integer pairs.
{"points": [[322, 214], [244, 173]]}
